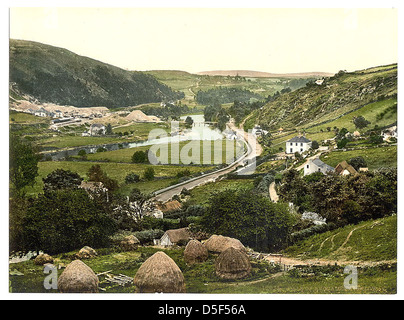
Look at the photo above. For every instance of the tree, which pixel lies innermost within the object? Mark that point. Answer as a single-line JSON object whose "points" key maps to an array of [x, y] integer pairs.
{"points": [[357, 162], [108, 129], [64, 220], [314, 145], [189, 122], [267, 139], [253, 219], [95, 173], [360, 122], [149, 174], [342, 143], [82, 153], [61, 179], [139, 157], [23, 165]]}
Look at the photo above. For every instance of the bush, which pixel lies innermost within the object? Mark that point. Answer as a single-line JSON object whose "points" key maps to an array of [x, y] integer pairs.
{"points": [[147, 236], [132, 178], [139, 157], [316, 229], [149, 174]]}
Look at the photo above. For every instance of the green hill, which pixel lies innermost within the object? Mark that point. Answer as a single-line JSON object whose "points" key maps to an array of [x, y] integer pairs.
{"points": [[56, 75], [373, 240], [336, 96]]}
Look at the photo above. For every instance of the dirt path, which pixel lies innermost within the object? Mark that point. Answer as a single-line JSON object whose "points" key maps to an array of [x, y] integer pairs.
{"points": [[272, 193]]}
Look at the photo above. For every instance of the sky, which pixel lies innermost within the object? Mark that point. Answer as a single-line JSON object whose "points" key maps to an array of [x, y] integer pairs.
{"points": [[203, 39]]}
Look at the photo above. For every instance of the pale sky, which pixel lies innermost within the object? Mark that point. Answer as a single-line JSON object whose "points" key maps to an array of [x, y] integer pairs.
{"points": [[203, 39]]}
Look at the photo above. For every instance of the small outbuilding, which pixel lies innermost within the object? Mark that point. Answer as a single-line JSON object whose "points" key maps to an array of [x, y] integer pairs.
{"points": [[344, 168], [159, 273], [175, 236], [233, 264]]}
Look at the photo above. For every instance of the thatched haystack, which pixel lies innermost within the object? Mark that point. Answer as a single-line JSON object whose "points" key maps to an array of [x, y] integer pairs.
{"points": [[78, 278], [233, 264], [195, 252], [42, 259], [86, 253], [129, 243], [218, 243], [159, 273]]}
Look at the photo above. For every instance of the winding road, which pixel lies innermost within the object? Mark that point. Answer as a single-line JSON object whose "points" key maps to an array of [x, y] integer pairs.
{"points": [[166, 194]]}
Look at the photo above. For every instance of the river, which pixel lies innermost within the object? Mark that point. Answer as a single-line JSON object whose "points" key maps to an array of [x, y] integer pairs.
{"points": [[199, 131]]}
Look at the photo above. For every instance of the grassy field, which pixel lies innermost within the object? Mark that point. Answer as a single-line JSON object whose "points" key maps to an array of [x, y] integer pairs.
{"points": [[201, 278], [200, 195], [117, 171], [374, 240], [375, 157], [26, 118], [217, 150]]}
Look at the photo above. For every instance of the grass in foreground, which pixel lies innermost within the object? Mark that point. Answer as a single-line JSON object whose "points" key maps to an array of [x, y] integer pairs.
{"points": [[201, 278]]}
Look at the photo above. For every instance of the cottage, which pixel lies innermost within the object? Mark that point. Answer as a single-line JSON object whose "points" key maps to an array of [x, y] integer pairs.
{"points": [[389, 133], [298, 144], [41, 112], [316, 165], [258, 131], [319, 82], [58, 114], [344, 168], [97, 129], [174, 236]]}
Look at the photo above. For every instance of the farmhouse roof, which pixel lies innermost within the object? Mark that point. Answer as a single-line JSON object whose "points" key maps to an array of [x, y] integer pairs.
{"points": [[299, 139], [344, 166], [321, 164], [177, 235]]}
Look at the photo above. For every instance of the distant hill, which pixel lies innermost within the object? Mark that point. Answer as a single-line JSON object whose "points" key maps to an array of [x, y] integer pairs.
{"points": [[55, 75], [259, 74], [337, 95]]}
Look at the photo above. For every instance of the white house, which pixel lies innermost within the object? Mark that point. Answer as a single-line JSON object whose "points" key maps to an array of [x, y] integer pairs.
{"points": [[41, 113], [316, 165], [389, 133], [97, 129], [298, 144]]}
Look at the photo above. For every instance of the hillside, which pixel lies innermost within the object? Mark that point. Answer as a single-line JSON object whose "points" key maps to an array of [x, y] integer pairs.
{"points": [[259, 74], [336, 96], [56, 75], [373, 240]]}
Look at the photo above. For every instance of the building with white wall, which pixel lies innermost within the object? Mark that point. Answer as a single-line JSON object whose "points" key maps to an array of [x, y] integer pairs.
{"points": [[298, 144]]}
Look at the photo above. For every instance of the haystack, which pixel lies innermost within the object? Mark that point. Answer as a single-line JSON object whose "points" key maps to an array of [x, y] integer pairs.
{"points": [[159, 273], [233, 264], [78, 278], [86, 253], [195, 252], [218, 243], [129, 243], [42, 259]]}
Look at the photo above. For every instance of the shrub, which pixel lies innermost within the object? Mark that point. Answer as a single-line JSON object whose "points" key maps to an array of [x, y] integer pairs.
{"points": [[139, 157], [149, 174], [132, 178]]}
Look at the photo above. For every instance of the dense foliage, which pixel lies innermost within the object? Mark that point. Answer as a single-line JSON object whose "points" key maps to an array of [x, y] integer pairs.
{"points": [[343, 199], [23, 164], [64, 220], [253, 219]]}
